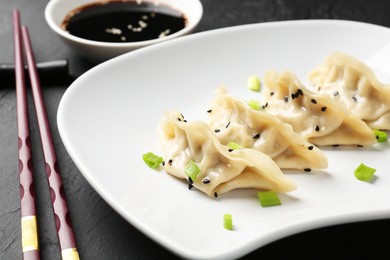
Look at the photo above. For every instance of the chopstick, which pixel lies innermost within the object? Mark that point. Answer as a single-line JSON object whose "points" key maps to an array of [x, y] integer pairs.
{"points": [[30, 245], [60, 207]]}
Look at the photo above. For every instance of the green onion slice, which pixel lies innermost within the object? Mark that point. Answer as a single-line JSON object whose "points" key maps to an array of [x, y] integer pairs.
{"points": [[364, 173], [192, 170], [254, 83], [380, 136], [152, 160], [255, 104], [228, 221], [234, 145], [268, 198]]}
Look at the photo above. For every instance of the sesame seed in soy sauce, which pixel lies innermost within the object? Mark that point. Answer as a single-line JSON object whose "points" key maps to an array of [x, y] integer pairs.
{"points": [[123, 21]]}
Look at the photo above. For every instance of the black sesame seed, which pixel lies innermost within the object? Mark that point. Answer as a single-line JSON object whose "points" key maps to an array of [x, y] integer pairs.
{"points": [[319, 89], [179, 118], [314, 101], [310, 147], [170, 161], [359, 145], [335, 145], [307, 170], [227, 125], [163, 163], [185, 121], [323, 109], [336, 93], [285, 99], [190, 186], [266, 105], [206, 180], [354, 99], [256, 136], [230, 150], [215, 195], [293, 96], [209, 111], [299, 91], [190, 180], [217, 130], [317, 128], [272, 93]]}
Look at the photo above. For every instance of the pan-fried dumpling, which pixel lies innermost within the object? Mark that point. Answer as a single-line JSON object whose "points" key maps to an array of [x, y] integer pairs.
{"points": [[232, 119], [318, 118], [354, 84], [221, 169]]}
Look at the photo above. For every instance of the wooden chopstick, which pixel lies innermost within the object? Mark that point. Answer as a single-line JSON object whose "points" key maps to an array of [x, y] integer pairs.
{"points": [[30, 245], [57, 192]]}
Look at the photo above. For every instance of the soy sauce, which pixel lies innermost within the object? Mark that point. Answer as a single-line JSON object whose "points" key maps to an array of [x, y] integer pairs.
{"points": [[123, 21]]}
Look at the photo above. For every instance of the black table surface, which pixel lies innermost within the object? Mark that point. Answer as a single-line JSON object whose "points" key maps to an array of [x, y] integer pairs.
{"points": [[100, 232]]}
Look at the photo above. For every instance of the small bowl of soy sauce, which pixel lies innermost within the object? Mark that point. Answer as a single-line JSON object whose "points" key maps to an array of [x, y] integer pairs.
{"points": [[103, 29]]}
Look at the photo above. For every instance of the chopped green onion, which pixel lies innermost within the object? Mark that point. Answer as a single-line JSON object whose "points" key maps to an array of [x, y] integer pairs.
{"points": [[234, 145], [254, 83], [255, 104], [380, 136], [228, 221], [152, 160], [364, 173], [192, 170], [268, 198]]}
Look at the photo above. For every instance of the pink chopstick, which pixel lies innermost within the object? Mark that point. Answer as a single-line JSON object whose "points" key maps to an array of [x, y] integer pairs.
{"points": [[61, 214], [30, 245]]}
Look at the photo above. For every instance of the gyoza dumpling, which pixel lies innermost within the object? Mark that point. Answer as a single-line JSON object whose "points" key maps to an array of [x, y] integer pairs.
{"points": [[318, 118], [221, 169], [232, 119], [354, 84]]}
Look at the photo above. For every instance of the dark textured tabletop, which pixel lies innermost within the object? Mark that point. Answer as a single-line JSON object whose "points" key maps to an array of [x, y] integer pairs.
{"points": [[100, 232]]}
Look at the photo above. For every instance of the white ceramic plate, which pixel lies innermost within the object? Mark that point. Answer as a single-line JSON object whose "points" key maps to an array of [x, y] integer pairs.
{"points": [[108, 118]]}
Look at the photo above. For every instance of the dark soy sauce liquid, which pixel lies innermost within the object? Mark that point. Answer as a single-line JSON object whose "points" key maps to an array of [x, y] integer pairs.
{"points": [[123, 21]]}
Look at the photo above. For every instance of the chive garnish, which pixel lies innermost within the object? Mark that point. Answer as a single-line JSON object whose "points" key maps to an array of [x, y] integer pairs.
{"points": [[254, 83], [268, 198], [228, 221], [152, 160], [192, 170], [381, 136], [364, 173]]}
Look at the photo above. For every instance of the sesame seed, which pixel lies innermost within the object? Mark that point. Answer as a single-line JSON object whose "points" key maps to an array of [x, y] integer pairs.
{"points": [[317, 128], [354, 99], [190, 180], [206, 180], [190, 186], [256, 136], [230, 150], [170, 161], [217, 130], [336, 93], [209, 111], [286, 99], [163, 163], [335, 145], [359, 145], [292, 96], [314, 101], [272, 93], [266, 105], [215, 195], [310, 147], [227, 125], [307, 170], [179, 119], [323, 109]]}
